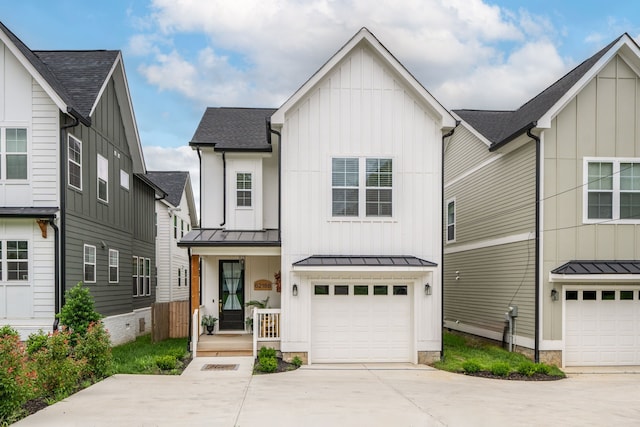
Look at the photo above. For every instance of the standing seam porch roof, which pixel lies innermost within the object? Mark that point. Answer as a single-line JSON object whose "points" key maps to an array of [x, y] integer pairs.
{"points": [[599, 267], [364, 260]]}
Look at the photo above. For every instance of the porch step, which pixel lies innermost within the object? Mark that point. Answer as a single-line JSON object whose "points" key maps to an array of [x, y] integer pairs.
{"points": [[225, 353], [224, 344]]}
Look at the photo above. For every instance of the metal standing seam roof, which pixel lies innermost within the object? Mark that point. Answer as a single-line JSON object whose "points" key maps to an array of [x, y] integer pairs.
{"points": [[599, 267], [216, 237], [364, 260], [500, 127], [234, 129]]}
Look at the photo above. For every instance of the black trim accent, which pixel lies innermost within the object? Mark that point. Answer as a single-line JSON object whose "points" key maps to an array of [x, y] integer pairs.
{"points": [[536, 350], [224, 189]]}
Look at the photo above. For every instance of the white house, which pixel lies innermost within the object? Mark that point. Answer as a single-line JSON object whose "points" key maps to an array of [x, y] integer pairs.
{"points": [[338, 192]]}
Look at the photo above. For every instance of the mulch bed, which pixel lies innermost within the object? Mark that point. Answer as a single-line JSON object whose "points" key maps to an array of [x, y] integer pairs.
{"points": [[515, 376]]}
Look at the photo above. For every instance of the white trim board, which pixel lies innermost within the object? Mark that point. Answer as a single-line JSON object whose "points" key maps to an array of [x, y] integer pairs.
{"points": [[490, 243]]}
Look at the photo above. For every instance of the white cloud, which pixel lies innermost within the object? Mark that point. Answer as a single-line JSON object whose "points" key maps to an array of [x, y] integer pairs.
{"points": [[257, 53]]}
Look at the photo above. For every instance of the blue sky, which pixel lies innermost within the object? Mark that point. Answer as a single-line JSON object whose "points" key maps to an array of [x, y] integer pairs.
{"points": [[184, 55]]}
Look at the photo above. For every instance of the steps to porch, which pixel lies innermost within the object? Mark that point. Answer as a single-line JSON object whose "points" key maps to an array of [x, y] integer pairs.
{"points": [[225, 344]]}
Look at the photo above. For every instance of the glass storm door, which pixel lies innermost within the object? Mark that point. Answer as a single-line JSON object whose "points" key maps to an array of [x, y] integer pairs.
{"points": [[231, 303]]}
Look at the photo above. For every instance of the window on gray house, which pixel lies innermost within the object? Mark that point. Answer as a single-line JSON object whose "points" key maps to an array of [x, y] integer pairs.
{"points": [[89, 264], [75, 162], [451, 221], [103, 179], [114, 266]]}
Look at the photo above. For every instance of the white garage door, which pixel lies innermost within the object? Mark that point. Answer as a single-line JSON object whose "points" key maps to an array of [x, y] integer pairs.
{"points": [[603, 327], [361, 323]]}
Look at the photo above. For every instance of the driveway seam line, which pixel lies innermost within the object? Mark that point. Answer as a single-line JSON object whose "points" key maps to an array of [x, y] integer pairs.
{"points": [[244, 398]]}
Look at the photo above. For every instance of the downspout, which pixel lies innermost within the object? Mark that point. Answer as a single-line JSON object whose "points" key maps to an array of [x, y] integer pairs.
{"points": [[200, 179], [63, 209], [536, 350], [56, 267], [279, 178], [443, 235], [224, 189], [190, 305]]}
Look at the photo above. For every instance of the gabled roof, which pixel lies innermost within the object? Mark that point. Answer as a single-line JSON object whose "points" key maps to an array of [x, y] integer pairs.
{"points": [[172, 182], [500, 127], [234, 129], [365, 36]]}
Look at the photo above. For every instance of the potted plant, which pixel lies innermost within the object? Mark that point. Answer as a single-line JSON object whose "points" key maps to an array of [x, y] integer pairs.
{"points": [[249, 323], [209, 322]]}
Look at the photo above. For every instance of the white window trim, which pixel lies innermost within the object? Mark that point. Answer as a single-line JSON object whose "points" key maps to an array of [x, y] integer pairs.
{"points": [[105, 178], [124, 179], [455, 218], [85, 263], [146, 282], [117, 265], [616, 190], [4, 262], [134, 274], [362, 191], [244, 189], [3, 152], [69, 137]]}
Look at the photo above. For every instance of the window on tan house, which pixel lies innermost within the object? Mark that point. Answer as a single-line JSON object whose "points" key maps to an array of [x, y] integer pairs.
{"points": [[612, 190], [451, 221]]}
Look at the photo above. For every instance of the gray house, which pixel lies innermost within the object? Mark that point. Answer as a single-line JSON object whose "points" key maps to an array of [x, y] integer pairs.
{"points": [[75, 205], [542, 217]]}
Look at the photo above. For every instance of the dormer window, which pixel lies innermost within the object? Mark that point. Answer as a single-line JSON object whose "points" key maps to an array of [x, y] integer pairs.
{"points": [[243, 189]]}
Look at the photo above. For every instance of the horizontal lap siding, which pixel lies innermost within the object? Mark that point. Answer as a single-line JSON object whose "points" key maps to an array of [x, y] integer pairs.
{"points": [[463, 152], [45, 137]]}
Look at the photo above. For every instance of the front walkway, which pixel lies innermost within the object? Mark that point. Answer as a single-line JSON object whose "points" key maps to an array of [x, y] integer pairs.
{"points": [[345, 395]]}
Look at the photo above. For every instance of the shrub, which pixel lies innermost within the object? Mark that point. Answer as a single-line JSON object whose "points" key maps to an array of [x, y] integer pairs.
{"points": [[166, 362], [78, 312], [36, 341], [296, 361], [7, 330], [16, 376], [178, 353], [268, 364], [95, 349], [58, 371], [542, 368], [471, 367], [500, 369], [266, 352], [527, 368]]}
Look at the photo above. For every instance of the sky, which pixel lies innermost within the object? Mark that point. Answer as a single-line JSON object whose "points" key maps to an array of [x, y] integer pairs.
{"points": [[182, 56]]}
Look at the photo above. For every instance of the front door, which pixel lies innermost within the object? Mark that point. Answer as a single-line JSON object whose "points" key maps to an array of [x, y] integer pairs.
{"points": [[231, 303]]}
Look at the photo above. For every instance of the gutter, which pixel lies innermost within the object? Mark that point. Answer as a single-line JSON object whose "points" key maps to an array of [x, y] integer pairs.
{"points": [[443, 236], [224, 189], [513, 136], [271, 130], [536, 350]]}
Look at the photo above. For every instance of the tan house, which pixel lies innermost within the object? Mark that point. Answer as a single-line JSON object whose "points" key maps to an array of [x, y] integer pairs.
{"points": [[559, 277]]}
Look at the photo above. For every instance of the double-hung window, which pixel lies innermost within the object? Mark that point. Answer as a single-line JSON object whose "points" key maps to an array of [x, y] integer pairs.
{"points": [[74, 153], [361, 185], [14, 149], [612, 190], [451, 220], [103, 179], [17, 260], [89, 264], [243, 189], [134, 275], [114, 266], [147, 277]]}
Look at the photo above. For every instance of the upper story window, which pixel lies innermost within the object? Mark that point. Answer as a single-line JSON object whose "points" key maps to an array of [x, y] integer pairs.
{"points": [[114, 266], [74, 147], [17, 260], [89, 264], [612, 190], [348, 193], [451, 220], [14, 151], [103, 179], [175, 226], [243, 189], [124, 179], [182, 228]]}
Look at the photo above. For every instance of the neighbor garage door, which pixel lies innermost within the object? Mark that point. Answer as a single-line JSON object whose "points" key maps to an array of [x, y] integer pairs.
{"points": [[602, 327], [361, 323]]}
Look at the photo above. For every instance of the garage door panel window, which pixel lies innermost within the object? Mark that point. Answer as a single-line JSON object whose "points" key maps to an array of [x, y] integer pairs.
{"points": [[360, 290], [608, 295], [321, 290], [589, 295], [341, 290], [626, 295], [571, 295], [400, 290], [380, 290]]}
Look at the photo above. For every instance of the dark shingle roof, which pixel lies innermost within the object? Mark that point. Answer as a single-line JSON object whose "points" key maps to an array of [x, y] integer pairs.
{"points": [[76, 76], [211, 237], [364, 260], [599, 267], [234, 129], [500, 127], [172, 182]]}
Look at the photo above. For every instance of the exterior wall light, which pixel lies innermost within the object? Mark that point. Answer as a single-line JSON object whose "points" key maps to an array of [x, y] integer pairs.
{"points": [[241, 263], [427, 289], [294, 290], [555, 295]]}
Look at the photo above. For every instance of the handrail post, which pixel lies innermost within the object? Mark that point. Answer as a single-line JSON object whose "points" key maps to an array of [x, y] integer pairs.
{"points": [[255, 332]]}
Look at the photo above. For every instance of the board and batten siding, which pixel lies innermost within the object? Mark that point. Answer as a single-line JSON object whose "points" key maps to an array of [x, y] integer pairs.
{"points": [[493, 256], [361, 108], [601, 121]]}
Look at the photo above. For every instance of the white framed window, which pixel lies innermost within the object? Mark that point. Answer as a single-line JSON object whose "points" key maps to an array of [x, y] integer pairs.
{"points": [[179, 277], [175, 226], [103, 179], [147, 276], [243, 190], [451, 220], [14, 150], [186, 277], [17, 259], [89, 264], [361, 185], [74, 154], [124, 179], [182, 228], [114, 266], [140, 276], [612, 190], [134, 275]]}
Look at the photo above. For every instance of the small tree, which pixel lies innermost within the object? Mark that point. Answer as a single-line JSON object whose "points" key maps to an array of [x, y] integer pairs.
{"points": [[78, 312]]}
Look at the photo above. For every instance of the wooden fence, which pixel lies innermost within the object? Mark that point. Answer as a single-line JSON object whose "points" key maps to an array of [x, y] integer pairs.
{"points": [[169, 320]]}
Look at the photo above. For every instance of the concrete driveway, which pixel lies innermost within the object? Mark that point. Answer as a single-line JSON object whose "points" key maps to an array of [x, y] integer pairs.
{"points": [[346, 395]]}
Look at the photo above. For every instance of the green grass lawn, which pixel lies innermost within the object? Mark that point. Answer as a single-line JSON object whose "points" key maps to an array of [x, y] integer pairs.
{"points": [[141, 356], [462, 354]]}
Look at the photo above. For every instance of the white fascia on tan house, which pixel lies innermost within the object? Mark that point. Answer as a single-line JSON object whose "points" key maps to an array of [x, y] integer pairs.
{"points": [[579, 265]]}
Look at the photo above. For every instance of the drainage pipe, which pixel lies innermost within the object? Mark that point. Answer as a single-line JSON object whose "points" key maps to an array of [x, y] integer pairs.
{"points": [[537, 257], [279, 177], [56, 267], [224, 189]]}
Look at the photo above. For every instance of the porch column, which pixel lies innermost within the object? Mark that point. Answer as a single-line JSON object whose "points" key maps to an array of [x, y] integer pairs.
{"points": [[195, 283]]}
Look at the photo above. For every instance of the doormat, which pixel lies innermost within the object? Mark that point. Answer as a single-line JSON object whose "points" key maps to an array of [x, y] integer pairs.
{"points": [[218, 367]]}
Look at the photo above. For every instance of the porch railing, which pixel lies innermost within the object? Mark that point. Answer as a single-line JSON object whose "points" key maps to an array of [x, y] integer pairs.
{"points": [[266, 326]]}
